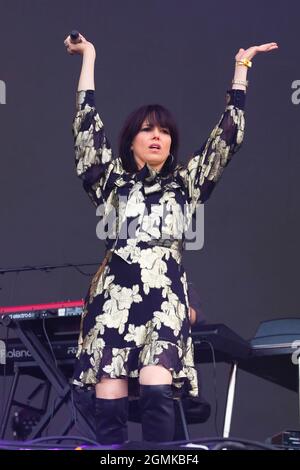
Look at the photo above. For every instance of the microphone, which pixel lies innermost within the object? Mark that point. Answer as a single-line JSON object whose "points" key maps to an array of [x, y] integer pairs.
{"points": [[74, 35]]}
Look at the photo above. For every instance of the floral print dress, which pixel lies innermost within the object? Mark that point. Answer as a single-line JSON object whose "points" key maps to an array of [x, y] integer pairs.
{"points": [[136, 308]]}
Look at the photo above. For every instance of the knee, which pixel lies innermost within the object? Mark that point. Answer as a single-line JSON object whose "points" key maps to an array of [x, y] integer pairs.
{"points": [[155, 375], [112, 388]]}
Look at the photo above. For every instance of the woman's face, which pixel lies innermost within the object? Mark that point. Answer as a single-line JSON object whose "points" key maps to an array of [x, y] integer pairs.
{"points": [[151, 145]]}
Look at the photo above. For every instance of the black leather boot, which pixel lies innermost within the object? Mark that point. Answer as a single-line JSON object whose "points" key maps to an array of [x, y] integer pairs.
{"points": [[111, 420], [157, 413]]}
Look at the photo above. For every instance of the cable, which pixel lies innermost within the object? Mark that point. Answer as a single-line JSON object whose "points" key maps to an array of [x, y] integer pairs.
{"points": [[74, 412], [230, 445], [55, 361], [214, 382], [63, 438], [82, 272], [36, 444], [48, 268], [49, 342], [220, 443], [227, 442]]}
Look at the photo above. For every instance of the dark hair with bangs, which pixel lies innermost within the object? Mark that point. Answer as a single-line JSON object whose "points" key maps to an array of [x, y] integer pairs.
{"points": [[156, 115]]}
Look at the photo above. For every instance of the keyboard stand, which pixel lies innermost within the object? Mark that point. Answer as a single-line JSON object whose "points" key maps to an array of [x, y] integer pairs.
{"points": [[44, 362], [230, 400], [227, 347]]}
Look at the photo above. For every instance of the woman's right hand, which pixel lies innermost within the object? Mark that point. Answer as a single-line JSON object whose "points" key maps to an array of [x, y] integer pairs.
{"points": [[79, 47]]}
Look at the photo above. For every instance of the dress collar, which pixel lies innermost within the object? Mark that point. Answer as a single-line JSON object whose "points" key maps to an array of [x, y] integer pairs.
{"points": [[152, 180]]}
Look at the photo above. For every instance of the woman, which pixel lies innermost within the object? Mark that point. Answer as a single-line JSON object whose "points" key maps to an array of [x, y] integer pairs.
{"points": [[135, 322]]}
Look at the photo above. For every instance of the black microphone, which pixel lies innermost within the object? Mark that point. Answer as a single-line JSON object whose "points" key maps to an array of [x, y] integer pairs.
{"points": [[74, 35]]}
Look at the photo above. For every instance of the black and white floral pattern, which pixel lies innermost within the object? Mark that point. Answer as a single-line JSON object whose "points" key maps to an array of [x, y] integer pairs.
{"points": [[136, 309]]}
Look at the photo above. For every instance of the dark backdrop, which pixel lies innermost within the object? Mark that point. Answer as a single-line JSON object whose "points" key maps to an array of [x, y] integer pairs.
{"points": [[180, 54]]}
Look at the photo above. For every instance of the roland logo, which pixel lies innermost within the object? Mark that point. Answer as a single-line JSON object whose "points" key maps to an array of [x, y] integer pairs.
{"points": [[18, 353], [71, 351], [296, 353]]}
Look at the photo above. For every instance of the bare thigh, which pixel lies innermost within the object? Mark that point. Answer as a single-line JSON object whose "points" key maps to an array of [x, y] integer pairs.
{"points": [[155, 375], [112, 388]]}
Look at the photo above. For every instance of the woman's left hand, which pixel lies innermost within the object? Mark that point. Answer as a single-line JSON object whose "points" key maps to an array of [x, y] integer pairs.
{"points": [[252, 51]]}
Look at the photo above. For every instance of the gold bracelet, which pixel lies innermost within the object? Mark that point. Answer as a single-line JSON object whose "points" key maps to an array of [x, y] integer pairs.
{"points": [[245, 62], [240, 82]]}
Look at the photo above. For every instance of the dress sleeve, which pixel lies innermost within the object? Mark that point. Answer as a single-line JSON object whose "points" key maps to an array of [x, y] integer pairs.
{"points": [[205, 167], [94, 161]]}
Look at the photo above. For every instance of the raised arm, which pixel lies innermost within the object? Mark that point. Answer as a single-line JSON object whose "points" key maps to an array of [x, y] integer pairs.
{"points": [[93, 155], [207, 164]]}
